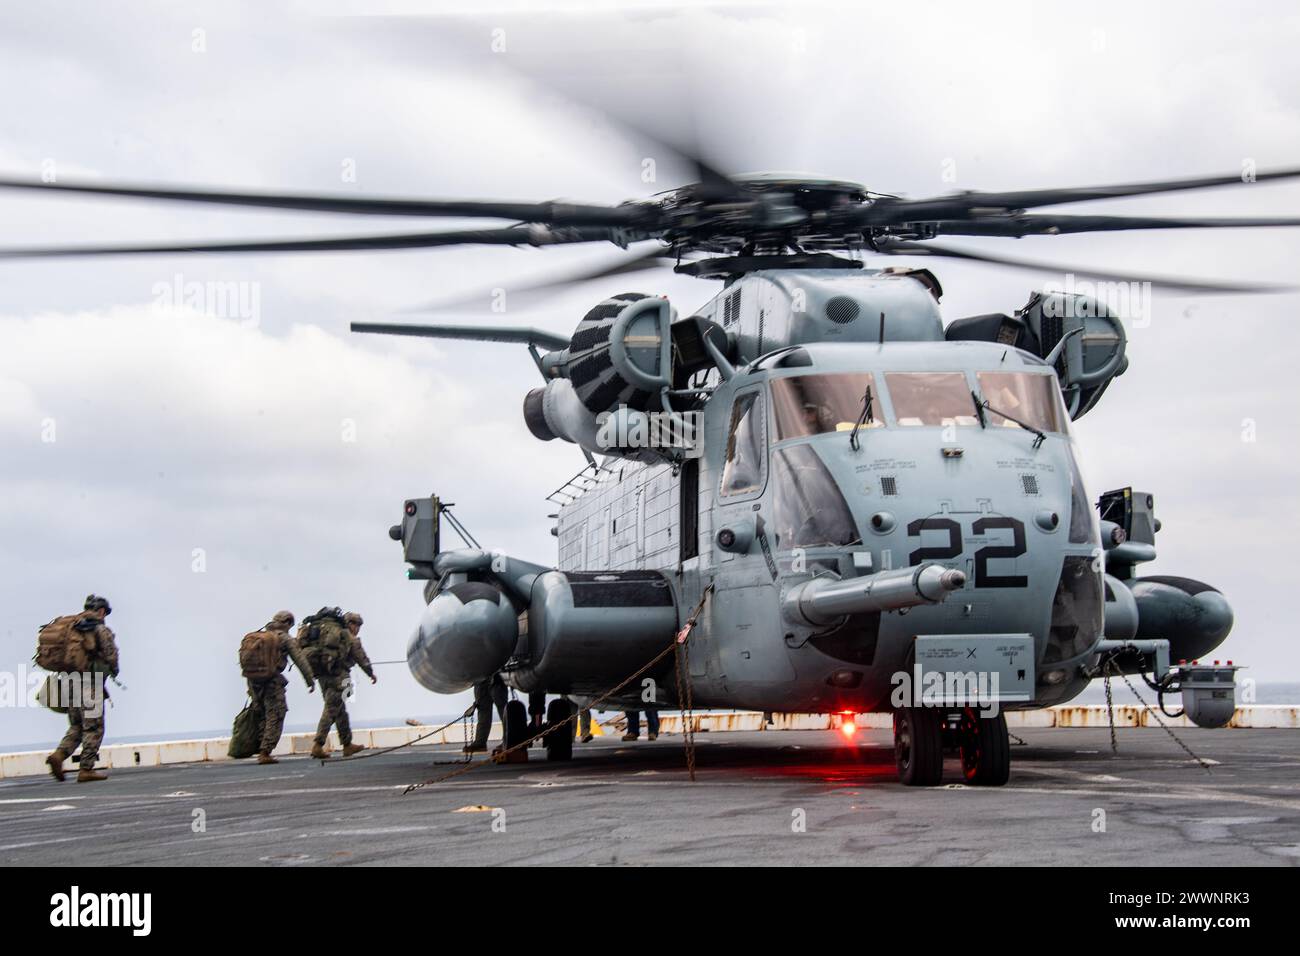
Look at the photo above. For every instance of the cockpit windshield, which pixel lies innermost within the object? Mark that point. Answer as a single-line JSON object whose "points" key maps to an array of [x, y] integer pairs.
{"points": [[931, 398], [811, 404], [1031, 398]]}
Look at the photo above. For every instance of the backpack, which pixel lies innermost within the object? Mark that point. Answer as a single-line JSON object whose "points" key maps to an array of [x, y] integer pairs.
{"points": [[64, 647], [324, 639], [259, 655], [246, 733], [52, 694]]}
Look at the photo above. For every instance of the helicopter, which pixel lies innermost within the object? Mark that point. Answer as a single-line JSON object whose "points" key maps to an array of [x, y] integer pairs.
{"points": [[838, 502]]}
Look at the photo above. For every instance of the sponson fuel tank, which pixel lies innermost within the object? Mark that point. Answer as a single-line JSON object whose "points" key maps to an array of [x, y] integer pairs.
{"points": [[1193, 617], [587, 631], [467, 633]]}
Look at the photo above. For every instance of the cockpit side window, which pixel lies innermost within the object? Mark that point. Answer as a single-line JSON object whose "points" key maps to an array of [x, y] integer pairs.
{"points": [[808, 510], [742, 472], [811, 404], [1032, 398], [931, 398]]}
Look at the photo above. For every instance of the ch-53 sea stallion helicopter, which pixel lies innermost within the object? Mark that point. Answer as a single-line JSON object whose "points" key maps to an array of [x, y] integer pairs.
{"points": [[851, 503]]}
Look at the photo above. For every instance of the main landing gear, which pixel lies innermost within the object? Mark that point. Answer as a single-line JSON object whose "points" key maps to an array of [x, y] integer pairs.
{"points": [[556, 734], [559, 742], [922, 733]]}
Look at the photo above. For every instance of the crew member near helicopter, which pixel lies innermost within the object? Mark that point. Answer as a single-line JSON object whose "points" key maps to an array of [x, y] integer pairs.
{"points": [[634, 724], [486, 694], [536, 711]]}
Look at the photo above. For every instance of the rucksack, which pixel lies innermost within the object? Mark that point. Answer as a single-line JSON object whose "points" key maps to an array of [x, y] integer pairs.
{"points": [[324, 639], [259, 655], [246, 733], [62, 647]]}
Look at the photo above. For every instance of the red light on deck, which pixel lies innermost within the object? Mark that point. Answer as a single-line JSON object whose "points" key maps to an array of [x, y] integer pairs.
{"points": [[847, 727]]}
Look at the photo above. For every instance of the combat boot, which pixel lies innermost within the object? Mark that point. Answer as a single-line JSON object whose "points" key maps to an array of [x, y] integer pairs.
{"points": [[266, 758], [55, 760], [319, 752], [350, 749], [90, 776]]}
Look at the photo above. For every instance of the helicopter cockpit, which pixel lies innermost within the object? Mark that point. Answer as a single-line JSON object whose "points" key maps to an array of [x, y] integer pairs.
{"points": [[806, 405], [806, 476]]}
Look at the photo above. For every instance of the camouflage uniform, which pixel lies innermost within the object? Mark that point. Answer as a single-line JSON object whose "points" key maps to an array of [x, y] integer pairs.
{"points": [[335, 712], [486, 693], [268, 695], [86, 724]]}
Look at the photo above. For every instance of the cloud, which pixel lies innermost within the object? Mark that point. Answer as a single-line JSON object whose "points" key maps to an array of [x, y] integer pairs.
{"points": [[204, 473]]}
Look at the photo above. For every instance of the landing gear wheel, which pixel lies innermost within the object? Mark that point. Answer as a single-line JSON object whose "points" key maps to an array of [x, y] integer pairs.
{"points": [[559, 742], [918, 746], [985, 749], [516, 729]]}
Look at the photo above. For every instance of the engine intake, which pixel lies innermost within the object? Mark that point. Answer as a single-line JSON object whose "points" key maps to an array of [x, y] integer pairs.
{"points": [[621, 353]]}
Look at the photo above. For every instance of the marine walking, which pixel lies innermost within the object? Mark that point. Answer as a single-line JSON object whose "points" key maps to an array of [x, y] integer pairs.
{"points": [[80, 651], [263, 656], [332, 644]]}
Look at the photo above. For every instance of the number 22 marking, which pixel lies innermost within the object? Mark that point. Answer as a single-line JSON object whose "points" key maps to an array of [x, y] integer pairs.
{"points": [[953, 548]]}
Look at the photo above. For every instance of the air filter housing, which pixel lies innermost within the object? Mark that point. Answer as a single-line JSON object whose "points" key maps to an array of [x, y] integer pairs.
{"points": [[620, 354]]}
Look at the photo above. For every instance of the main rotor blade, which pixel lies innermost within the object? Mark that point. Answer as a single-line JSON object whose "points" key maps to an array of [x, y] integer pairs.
{"points": [[641, 262], [1018, 226], [1175, 284], [964, 205], [552, 213], [508, 236], [528, 336]]}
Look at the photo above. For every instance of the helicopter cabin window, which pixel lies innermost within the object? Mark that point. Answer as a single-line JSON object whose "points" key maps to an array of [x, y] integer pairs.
{"points": [[808, 510], [742, 473], [812, 404], [1032, 398], [931, 398]]}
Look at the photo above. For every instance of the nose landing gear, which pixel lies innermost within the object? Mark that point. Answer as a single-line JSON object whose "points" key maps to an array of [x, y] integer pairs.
{"points": [[920, 734], [985, 748], [918, 746]]}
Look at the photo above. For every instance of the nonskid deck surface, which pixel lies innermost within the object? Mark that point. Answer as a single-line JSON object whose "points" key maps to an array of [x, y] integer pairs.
{"points": [[632, 804]]}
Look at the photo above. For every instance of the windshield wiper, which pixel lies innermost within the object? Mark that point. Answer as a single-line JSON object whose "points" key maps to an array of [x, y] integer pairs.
{"points": [[866, 416], [979, 410]]}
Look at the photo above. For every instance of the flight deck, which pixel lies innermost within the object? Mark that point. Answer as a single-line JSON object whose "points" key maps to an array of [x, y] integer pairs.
{"points": [[790, 797]]}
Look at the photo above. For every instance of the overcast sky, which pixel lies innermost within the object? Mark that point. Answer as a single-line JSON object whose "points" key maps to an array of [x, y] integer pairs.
{"points": [[204, 467]]}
